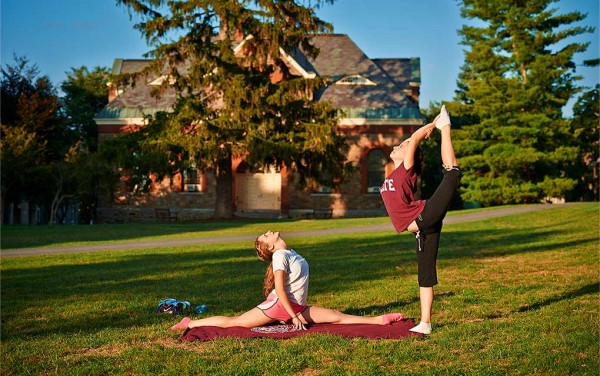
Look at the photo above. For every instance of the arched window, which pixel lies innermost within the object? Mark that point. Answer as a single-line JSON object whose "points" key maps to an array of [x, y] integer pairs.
{"points": [[355, 80], [376, 161]]}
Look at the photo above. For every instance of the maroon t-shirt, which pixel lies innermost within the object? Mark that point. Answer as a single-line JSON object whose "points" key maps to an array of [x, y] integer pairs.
{"points": [[398, 193]]}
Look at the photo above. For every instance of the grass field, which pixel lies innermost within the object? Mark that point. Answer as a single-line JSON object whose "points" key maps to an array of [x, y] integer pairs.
{"points": [[517, 295], [56, 236]]}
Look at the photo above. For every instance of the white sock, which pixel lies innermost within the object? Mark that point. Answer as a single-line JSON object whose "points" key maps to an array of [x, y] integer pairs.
{"points": [[423, 327], [443, 120]]}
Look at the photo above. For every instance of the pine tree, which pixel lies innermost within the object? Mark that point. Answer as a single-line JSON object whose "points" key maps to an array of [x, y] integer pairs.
{"points": [[585, 127], [237, 95], [518, 75]]}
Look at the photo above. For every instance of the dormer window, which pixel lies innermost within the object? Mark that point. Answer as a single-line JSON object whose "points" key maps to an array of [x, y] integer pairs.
{"points": [[159, 80], [355, 80]]}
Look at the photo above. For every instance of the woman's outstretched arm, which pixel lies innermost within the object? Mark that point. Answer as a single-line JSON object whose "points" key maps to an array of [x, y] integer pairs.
{"points": [[414, 141]]}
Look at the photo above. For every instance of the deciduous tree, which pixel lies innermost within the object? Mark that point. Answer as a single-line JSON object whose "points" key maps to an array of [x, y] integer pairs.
{"points": [[86, 93], [34, 133]]}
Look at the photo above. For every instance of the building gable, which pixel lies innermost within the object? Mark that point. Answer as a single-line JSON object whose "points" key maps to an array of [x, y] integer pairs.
{"points": [[385, 90], [393, 90]]}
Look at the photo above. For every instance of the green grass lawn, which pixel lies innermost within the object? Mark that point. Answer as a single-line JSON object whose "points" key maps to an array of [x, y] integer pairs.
{"points": [[17, 236], [517, 295]]}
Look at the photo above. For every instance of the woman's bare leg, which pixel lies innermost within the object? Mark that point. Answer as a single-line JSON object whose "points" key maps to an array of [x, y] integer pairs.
{"points": [[426, 298], [320, 315], [448, 157], [442, 122], [250, 319]]}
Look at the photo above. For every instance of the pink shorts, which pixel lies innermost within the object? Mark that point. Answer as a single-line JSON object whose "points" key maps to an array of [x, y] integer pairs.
{"points": [[273, 308]]}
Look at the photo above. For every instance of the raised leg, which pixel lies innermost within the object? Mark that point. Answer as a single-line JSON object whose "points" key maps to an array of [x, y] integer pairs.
{"points": [[442, 122], [448, 156]]}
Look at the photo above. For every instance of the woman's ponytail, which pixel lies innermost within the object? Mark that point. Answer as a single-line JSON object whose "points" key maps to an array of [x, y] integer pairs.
{"points": [[263, 253]]}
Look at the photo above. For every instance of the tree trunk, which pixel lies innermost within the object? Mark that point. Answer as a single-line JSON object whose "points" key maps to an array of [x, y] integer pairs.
{"points": [[224, 175]]}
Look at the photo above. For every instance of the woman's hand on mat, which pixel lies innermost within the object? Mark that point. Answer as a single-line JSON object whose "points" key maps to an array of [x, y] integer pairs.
{"points": [[298, 323]]}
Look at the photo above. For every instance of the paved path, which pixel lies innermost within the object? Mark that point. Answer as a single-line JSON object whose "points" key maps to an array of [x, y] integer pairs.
{"points": [[458, 218]]}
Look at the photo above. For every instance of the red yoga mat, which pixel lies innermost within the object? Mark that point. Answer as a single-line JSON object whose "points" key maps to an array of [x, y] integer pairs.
{"points": [[398, 329]]}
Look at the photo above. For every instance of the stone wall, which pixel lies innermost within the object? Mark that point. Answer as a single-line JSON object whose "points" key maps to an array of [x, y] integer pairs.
{"points": [[128, 214], [140, 207]]}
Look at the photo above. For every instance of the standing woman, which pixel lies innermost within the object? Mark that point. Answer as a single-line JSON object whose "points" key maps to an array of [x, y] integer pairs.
{"points": [[286, 290], [422, 217]]}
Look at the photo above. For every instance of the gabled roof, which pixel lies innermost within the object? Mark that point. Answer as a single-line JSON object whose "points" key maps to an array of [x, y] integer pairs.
{"points": [[404, 72], [385, 97], [137, 101], [340, 57]]}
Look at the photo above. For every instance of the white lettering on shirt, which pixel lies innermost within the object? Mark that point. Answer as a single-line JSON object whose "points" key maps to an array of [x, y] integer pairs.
{"points": [[388, 185]]}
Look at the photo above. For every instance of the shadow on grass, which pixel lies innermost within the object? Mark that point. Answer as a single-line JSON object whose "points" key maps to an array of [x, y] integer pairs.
{"points": [[90, 296], [592, 288], [92, 293], [122, 293], [394, 306], [18, 236]]}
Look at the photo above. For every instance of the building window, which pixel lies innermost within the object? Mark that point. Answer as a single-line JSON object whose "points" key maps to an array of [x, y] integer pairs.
{"points": [[192, 180], [355, 80], [376, 162]]}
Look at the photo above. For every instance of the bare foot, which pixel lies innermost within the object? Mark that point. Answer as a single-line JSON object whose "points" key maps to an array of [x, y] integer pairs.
{"points": [[182, 324], [389, 318]]}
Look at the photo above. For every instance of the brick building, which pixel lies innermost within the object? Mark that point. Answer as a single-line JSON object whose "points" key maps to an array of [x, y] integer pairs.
{"points": [[379, 100]]}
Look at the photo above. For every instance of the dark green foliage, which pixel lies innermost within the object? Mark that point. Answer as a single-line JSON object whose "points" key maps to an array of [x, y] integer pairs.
{"points": [[46, 140], [585, 127], [229, 105], [30, 102], [514, 145], [90, 173], [34, 135], [86, 93]]}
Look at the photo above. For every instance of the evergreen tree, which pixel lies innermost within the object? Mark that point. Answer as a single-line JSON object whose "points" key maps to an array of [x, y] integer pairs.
{"points": [[585, 128], [237, 95], [518, 75], [86, 93]]}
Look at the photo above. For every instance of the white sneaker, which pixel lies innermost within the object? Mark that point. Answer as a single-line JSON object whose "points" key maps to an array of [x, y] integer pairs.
{"points": [[423, 328], [444, 118]]}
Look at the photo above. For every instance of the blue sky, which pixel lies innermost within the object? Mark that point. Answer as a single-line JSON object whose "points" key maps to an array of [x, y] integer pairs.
{"points": [[61, 34]]}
